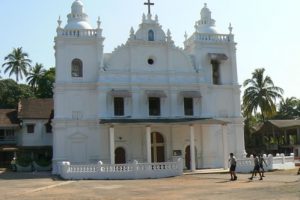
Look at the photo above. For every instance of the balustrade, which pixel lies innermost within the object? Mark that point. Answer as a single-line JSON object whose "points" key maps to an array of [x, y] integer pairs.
{"points": [[133, 170], [280, 161], [77, 33], [213, 37]]}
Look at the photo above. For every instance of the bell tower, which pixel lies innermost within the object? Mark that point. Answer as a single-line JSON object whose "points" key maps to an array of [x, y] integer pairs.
{"points": [[78, 55]]}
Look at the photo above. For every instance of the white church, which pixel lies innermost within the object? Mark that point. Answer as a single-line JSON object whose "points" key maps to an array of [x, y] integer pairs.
{"points": [[148, 102]]}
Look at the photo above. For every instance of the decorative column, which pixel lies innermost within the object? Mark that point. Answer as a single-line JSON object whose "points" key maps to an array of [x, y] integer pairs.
{"points": [[112, 144], [225, 146], [192, 147], [148, 143]]}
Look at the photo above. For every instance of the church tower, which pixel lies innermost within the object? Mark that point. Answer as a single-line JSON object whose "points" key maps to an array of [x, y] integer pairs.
{"points": [[214, 58], [214, 54], [78, 54], [78, 48]]}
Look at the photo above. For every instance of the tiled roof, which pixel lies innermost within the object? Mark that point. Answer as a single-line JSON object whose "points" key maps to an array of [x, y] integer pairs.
{"points": [[35, 108], [8, 118]]}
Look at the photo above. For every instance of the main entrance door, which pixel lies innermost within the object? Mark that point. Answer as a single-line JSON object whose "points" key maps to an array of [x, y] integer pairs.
{"points": [[120, 157], [157, 147]]}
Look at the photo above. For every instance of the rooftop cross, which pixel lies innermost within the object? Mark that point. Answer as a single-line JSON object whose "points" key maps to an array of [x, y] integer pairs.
{"points": [[149, 4]]}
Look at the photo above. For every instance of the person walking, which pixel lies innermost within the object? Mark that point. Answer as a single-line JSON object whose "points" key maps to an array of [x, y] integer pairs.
{"points": [[256, 168], [13, 164], [232, 162], [261, 162]]}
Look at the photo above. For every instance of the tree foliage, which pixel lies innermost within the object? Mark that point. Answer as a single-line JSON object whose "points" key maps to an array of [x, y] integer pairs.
{"points": [[260, 93], [45, 84], [17, 63], [289, 108], [35, 75], [11, 92], [40, 81]]}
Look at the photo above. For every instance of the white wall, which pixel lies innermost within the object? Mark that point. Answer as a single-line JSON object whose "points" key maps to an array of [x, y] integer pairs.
{"points": [[38, 138]]}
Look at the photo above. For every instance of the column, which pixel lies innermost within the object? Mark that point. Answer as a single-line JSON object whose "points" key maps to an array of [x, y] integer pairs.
{"points": [[192, 147], [112, 144], [148, 143], [225, 146]]}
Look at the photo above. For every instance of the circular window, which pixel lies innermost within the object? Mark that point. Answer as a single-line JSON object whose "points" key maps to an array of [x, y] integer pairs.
{"points": [[150, 61]]}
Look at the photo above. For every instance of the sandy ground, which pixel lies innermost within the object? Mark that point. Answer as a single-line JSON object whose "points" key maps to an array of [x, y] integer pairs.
{"points": [[33, 186]]}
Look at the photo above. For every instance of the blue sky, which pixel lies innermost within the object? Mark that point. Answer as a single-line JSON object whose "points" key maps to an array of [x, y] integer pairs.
{"points": [[267, 31]]}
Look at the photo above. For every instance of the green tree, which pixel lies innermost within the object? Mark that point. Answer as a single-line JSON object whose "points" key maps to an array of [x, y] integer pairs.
{"points": [[17, 63], [11, 92], [45, 84], [289, 108], [260, 93], [35, 75]]}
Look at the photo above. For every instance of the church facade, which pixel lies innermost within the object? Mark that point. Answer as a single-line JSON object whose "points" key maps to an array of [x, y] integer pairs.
{"points": [[148, 100]]}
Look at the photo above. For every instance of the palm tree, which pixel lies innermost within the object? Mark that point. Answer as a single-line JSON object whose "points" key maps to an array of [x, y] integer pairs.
{"points": [[17, 63], [260, 93], [35, 75], [289, 108]]}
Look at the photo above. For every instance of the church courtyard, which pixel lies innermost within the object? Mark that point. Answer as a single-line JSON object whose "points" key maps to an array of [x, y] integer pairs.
{"points": [[33, 186]]}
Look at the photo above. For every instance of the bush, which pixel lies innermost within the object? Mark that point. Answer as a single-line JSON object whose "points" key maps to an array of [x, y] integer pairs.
{"points": [[24, 161], [43, 162]]}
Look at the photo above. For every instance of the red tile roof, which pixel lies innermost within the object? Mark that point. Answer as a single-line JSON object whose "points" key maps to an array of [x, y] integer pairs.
{"points": [[35, 108], [8, 118]]}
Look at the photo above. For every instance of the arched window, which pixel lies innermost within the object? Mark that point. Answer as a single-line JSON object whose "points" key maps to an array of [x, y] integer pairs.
{"points": [[76, 68], [216, 72], [150, 35]]}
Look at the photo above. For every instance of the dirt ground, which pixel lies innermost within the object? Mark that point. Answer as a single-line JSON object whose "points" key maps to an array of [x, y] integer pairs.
{"points": [[34, 186]]}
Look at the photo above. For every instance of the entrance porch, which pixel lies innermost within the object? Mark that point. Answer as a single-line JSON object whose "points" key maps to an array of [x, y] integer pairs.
{"points": [[167, 140], [153, 148]]}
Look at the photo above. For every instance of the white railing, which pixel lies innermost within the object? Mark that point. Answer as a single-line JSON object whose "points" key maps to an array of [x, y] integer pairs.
{"points": [[280, 161], [213, 37], [133, 170], [77, 33]]}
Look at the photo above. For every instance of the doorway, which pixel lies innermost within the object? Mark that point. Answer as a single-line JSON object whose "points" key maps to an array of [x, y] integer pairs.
{"points": [[120, 155], [188, 157], [157, 147]]}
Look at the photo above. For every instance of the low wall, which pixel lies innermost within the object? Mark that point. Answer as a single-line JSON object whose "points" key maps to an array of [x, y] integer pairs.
{"points": [[280, 161], [133, 170]]}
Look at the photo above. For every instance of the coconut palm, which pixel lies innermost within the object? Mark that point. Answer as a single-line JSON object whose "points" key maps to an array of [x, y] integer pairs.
{"points": [[260, 93], [289, 108], [35, 75], [17, 63]]}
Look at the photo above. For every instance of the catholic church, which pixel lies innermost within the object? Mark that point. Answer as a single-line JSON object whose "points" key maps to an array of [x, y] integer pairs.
{"points": [[148, 101]]}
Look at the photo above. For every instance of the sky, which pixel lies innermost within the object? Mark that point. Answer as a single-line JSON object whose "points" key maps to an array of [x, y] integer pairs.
{"points": [[267, 32]]}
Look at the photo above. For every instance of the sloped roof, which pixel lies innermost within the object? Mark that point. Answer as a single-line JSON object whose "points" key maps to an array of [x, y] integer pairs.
{"points": [[285, 123], [8, 118], [35, 108]]}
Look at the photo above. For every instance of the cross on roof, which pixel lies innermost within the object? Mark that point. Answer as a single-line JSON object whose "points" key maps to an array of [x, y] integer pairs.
{"points": [[149, 4]]}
